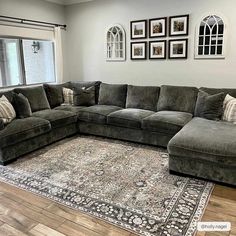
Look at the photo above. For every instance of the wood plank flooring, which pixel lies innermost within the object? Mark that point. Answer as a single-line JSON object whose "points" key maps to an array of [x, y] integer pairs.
{"points": [[23, 213]]}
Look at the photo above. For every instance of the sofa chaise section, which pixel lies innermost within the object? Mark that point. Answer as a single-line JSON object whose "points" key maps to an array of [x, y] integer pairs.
{"points": [[206, 149]]}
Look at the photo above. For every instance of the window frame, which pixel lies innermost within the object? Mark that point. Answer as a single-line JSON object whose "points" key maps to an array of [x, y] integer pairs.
{"points": [[22, 62], [197, 35]]}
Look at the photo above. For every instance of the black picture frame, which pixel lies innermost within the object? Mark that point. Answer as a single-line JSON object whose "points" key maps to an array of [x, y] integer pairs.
{"points": [[185, 27], [172, 54], [132, 56], [164, 34], [132, 29], [153, 57]]}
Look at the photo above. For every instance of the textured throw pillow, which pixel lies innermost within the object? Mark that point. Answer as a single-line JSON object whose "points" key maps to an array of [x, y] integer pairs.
{"points": [[84, 96], [209, 106], [7, 112], [54, 94], [68, 95], [229, 109], [22, 106]]}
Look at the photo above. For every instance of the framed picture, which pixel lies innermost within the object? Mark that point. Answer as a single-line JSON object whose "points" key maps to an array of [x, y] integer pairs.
{"points": [[138, 50], [157, 49], [179, 25], [138, 29], [157, 27], [178, 49]]}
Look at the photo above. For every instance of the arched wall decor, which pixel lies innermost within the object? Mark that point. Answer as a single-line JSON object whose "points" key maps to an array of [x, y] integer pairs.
{"points": [[210, 37], [115, 43]]}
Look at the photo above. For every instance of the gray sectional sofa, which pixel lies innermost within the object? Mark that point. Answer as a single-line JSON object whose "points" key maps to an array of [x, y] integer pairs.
{"points": [[161, 116]]}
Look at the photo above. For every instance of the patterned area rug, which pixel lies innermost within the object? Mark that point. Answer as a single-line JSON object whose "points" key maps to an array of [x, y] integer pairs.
{"points": [[123, 183]]}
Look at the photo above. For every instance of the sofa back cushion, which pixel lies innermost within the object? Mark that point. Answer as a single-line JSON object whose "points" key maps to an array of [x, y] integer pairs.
{"points": [[112, 94], [36, 96], [8, 94], [142, 97], [54, 93], [177, 98], [88, 84], [231, 92]]}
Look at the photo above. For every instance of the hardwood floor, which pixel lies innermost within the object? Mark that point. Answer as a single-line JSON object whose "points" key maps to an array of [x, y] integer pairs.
{"points": [[23, 213]]}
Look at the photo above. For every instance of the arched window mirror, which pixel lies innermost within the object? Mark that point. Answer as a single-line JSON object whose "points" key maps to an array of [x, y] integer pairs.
{"points": [[210, 38], [115, 37]]}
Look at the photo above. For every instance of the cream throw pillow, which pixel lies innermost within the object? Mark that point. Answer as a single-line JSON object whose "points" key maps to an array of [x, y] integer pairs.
{"points": [[68, 95], [7, 111], [229, 109]]}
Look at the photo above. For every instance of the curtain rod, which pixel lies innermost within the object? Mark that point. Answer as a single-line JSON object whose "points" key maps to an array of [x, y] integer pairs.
{"points": [[30, 22]]}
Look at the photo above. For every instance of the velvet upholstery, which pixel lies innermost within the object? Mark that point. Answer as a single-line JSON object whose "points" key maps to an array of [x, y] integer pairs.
{"points": [[36, 96], [8, 94], [231, 92], [22, 106], [124, 133], [2, 125], [209, 106], [176, 98], [206, 139], [203, 169], [166, 121], [84, 96], [88, 84], [12, 152], [206, 149], [54, 93], [97, 114], [142, 97], [57, 118], [71, 108], [21, 129], [112, 94], [130, 117]]}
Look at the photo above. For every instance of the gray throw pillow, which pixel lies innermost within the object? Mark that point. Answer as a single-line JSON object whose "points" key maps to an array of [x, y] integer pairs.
{"points": [[54, 94], [84, 96], [36, 96], [209, 106], [22, 106]]}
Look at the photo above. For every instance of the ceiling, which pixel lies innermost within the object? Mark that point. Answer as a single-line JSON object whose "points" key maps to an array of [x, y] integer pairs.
{"points": [[67, 2]]}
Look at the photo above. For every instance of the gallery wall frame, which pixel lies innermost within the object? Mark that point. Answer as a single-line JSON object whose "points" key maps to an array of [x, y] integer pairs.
{"points": [[178, 49], [138, 50], [157, 50], [178, 25], [158, 27], [138, 29]]}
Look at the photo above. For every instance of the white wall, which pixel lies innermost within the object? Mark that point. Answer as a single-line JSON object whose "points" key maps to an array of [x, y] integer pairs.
{"points": [[85, 57], [33, 9]]}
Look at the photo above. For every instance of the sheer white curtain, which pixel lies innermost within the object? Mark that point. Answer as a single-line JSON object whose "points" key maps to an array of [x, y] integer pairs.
{"points": [[58, 54]]}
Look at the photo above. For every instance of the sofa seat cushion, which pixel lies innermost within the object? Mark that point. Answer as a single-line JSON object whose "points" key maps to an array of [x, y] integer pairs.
{"points": [[74, 109], [97, 114], [206, 140], [169, 122], [57, 118], [130, 117], [22, 129]]}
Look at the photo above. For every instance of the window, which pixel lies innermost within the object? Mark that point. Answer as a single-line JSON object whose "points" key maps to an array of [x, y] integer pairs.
{"points": [[24, 62], [210, 38], [115, 43]]}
